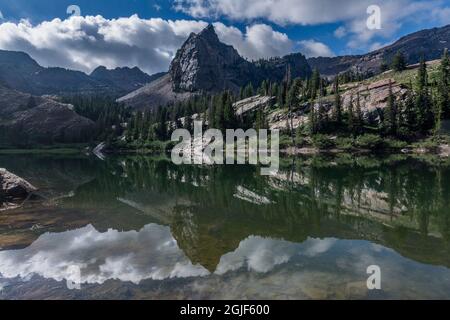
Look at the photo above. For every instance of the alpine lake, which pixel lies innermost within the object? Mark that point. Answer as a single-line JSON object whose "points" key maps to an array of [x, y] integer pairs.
{"points": [[139, 227]]}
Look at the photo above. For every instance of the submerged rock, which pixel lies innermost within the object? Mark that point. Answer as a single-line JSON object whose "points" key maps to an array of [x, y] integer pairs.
{"points": [[14, 187]]}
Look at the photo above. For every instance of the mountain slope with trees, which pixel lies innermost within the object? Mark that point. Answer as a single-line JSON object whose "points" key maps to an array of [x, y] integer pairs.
{"points": [[392, 110]]}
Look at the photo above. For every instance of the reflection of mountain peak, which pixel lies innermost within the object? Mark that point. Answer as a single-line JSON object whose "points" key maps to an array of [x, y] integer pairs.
{"points": [[208, 222], [203, 243]]}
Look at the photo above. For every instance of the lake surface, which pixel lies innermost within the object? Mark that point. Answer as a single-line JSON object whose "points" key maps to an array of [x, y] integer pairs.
{"points": [[143, 228]]}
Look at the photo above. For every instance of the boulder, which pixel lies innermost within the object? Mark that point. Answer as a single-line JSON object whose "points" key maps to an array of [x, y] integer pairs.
{"points": [[12, 186]]}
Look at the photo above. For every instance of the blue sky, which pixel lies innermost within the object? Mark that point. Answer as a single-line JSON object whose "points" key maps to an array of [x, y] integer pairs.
{"points": [[274, 27]]}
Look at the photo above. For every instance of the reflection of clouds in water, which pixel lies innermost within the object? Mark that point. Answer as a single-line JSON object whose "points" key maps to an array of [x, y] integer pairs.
{"points": [[258, 254], [258, 268], [263, 254], [151, 253], [318, 246]]}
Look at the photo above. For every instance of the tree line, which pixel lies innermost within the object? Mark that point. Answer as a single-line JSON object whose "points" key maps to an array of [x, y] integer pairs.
{"points": [[418, 113]]}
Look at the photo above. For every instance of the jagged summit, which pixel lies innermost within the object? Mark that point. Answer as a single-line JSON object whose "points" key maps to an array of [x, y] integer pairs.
{"points": [[209, 33], [205, 64], [126, 78]]}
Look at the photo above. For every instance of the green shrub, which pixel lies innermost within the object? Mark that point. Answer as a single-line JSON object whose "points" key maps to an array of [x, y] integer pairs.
{"points": [[395, 144], [155, 146], [285, 142], [345, 143], [428, 144], [369, 141], [323, 142], [300, 140]]}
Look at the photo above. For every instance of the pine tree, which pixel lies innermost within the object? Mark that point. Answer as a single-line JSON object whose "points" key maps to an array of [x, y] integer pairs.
{"points": [[241, 93], [423, 101], [399, 62], [337, 112], [219, 120], [390, 114], [294, 92], [312, 119], [437, 120], [274, 89], [261, 122], [444, 86], [408, 115], [229, 117], [359, 119], [350, 116], [322, 118], [249, 91], [162, 124], [315, 83], [384, 66]]}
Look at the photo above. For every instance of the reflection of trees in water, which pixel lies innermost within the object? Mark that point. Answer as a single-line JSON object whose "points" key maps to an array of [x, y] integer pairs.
{"points": [[408, 192], [403, 204]]}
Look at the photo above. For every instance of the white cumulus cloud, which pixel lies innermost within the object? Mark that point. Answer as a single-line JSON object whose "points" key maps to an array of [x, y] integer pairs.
{"points": [[83, 43], [312, 48], [259, 40], [351, 14], [279, 11]]}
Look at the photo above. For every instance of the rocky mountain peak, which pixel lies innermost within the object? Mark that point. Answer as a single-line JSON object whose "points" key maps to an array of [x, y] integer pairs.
{"points": [[204, 63], [209, 34]]}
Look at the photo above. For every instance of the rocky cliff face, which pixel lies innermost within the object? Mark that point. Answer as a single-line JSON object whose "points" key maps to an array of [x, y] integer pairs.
{"points": [[29, 119], [205, 64], [429, 43], [373, 97]]}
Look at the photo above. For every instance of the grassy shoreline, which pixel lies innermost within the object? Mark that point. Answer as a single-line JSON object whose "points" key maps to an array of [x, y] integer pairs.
{"points": [[66, 149], [324, 145]]}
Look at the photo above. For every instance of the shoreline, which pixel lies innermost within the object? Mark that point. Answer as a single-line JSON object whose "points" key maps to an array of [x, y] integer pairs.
{"points": [[442, 151]]}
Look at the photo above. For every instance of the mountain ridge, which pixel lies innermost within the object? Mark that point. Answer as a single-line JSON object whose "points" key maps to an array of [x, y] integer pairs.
{"points": [[428, 42], [18, 70]]}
